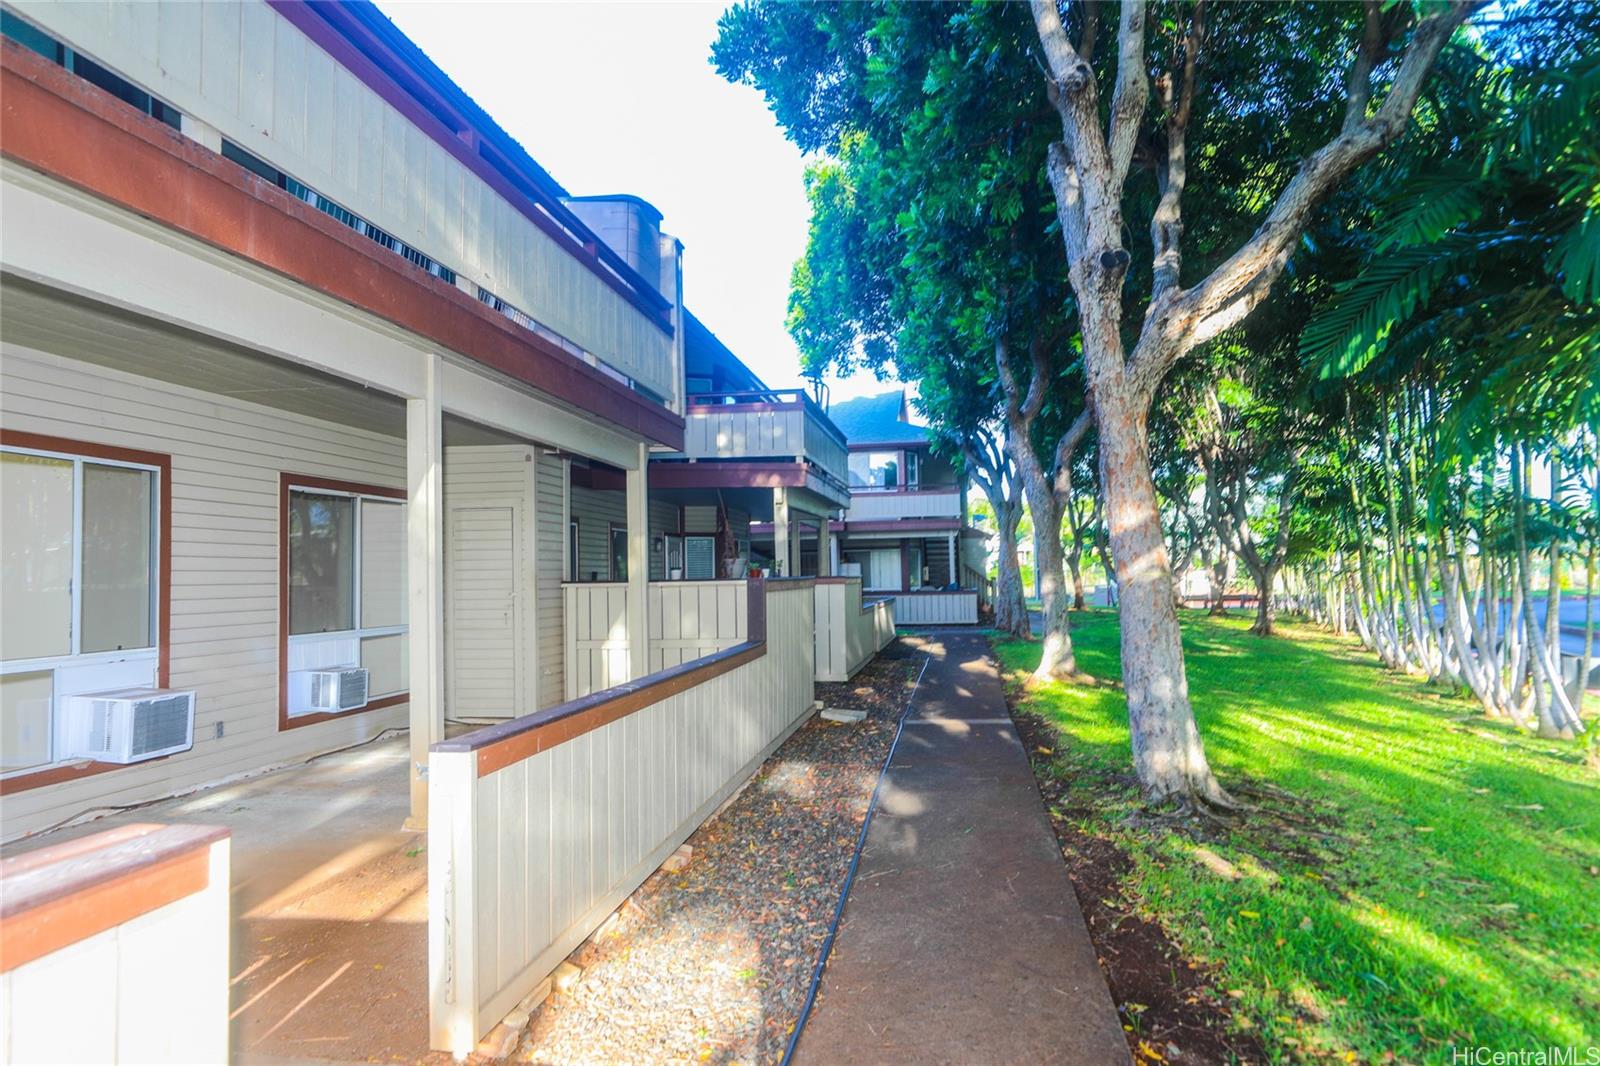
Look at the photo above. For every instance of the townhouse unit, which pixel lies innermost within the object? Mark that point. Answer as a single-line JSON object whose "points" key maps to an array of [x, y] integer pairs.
{"points": [[907, 529], [325, 411]]}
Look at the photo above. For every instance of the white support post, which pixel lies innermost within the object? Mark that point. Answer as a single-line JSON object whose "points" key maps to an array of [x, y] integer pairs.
{"points": [[638, 566], [780, 531], [833, 555], [955, 564], [825, 567], [425, 577]]}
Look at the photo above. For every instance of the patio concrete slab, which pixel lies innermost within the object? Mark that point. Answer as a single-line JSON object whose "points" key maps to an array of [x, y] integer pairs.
{"points": [[962, 941]]}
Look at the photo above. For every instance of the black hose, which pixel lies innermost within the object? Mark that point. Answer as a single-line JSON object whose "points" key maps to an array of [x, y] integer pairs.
{"points": [[849, 879]]}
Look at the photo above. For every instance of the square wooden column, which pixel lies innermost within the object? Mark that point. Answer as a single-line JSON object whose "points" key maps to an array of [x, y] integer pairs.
{"points": [[638, 505], [780, 532], [425, 580]]}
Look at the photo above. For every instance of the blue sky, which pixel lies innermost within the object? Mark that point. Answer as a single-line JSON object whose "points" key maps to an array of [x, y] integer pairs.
{"points": [[622, 97]]}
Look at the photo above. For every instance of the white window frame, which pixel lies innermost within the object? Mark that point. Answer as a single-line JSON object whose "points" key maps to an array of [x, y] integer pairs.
{"points": [[76, 657], [360, 632]]}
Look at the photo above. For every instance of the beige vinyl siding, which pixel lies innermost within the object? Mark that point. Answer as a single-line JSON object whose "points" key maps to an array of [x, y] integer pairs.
{"points": [[246, 71], [226, 459], [551, 533], [664, 516], [596, 511]]}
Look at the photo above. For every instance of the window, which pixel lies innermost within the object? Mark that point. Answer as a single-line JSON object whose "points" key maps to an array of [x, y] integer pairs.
{"points": [[619, 553], [345, 583], [702, 558], [79, 553], [874, 470]]}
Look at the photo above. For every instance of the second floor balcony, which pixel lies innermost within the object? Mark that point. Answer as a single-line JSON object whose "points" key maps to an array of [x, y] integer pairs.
{"points": [[766, 426], [876, 503]]}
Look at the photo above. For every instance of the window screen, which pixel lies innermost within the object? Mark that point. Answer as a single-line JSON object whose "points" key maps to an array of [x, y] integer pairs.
{"points": [[383, 564], [701, 553], [118, 558]]}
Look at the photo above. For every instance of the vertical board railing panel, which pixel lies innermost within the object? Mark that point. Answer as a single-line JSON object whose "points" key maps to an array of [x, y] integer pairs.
{"points": [[849, 631], [116, 948], [937, 608], [688, 620], [541, 826]]}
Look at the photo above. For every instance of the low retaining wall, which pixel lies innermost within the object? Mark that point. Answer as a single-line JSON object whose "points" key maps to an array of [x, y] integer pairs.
{"points": [[114, 948], [541, 826], [924, 608], [850, 630]]}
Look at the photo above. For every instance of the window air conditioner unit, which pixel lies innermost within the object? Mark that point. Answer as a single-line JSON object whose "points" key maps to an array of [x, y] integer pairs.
{"points": [[130, 725], [327, 691]]}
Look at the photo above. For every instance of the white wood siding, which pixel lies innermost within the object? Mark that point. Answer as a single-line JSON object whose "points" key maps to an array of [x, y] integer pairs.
{"points": [[227, 455], [877, 506], [151, 989], [525, 862], [848, 632], [737, 431], [596, 653], [240, 67], [937, 609], [687, 619]]}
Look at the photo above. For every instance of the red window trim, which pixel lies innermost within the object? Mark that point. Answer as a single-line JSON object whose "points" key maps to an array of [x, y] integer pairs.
{"points": [[163, 463], [286, 482]]}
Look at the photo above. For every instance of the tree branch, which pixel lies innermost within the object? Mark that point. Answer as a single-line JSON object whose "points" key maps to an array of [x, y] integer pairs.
{"points": [[1131, 96], [1166, 226], [1178, 321], [1091, 29]]}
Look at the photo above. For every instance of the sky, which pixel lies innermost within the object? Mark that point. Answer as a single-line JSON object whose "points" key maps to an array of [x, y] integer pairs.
{"points": [[622, 98]]}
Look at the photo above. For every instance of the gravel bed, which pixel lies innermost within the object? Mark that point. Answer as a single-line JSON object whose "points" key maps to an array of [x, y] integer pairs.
{"points": [[711, 963]]}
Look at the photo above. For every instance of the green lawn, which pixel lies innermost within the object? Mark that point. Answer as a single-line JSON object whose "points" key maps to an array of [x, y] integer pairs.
{"points": [[1449, 894]]}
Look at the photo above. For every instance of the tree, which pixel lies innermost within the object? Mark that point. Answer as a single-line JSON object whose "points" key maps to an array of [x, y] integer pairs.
{"points": [[1467, 349], [931, 241], [1089, 170]]}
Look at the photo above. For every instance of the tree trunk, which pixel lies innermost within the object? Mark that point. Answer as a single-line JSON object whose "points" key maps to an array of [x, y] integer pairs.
{"points": [[1265, 613], [1010, 607], [1167, 752], [1056, 659]]}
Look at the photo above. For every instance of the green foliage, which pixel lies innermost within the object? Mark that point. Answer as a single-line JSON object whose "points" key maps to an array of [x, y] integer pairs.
{"points": [[1484, 276], [1430, 883]]}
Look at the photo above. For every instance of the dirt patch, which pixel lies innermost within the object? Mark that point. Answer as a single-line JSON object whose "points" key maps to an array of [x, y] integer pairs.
{"points": [[1171, 1010], [711, 963]]}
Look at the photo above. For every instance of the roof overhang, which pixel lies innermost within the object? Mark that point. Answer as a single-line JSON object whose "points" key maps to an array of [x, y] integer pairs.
{"points": [[67, 129]]}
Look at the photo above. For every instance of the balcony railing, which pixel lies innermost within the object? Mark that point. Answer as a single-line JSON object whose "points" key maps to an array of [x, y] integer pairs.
{"points": [[771, 424], [877, 504]]}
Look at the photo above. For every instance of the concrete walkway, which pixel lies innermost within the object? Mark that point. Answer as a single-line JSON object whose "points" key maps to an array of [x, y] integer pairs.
{"points": [[962, 941]]}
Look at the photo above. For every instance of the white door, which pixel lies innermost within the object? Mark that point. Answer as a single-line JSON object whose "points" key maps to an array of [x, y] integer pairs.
{"points": [[883, 570], [482, 623]]}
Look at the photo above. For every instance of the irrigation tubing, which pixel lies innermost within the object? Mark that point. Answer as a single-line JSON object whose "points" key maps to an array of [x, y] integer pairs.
{"points": [[849, 877]]}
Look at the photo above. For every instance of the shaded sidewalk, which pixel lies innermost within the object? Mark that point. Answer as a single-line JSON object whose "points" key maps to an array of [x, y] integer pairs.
{"points": [[962, 941]]}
